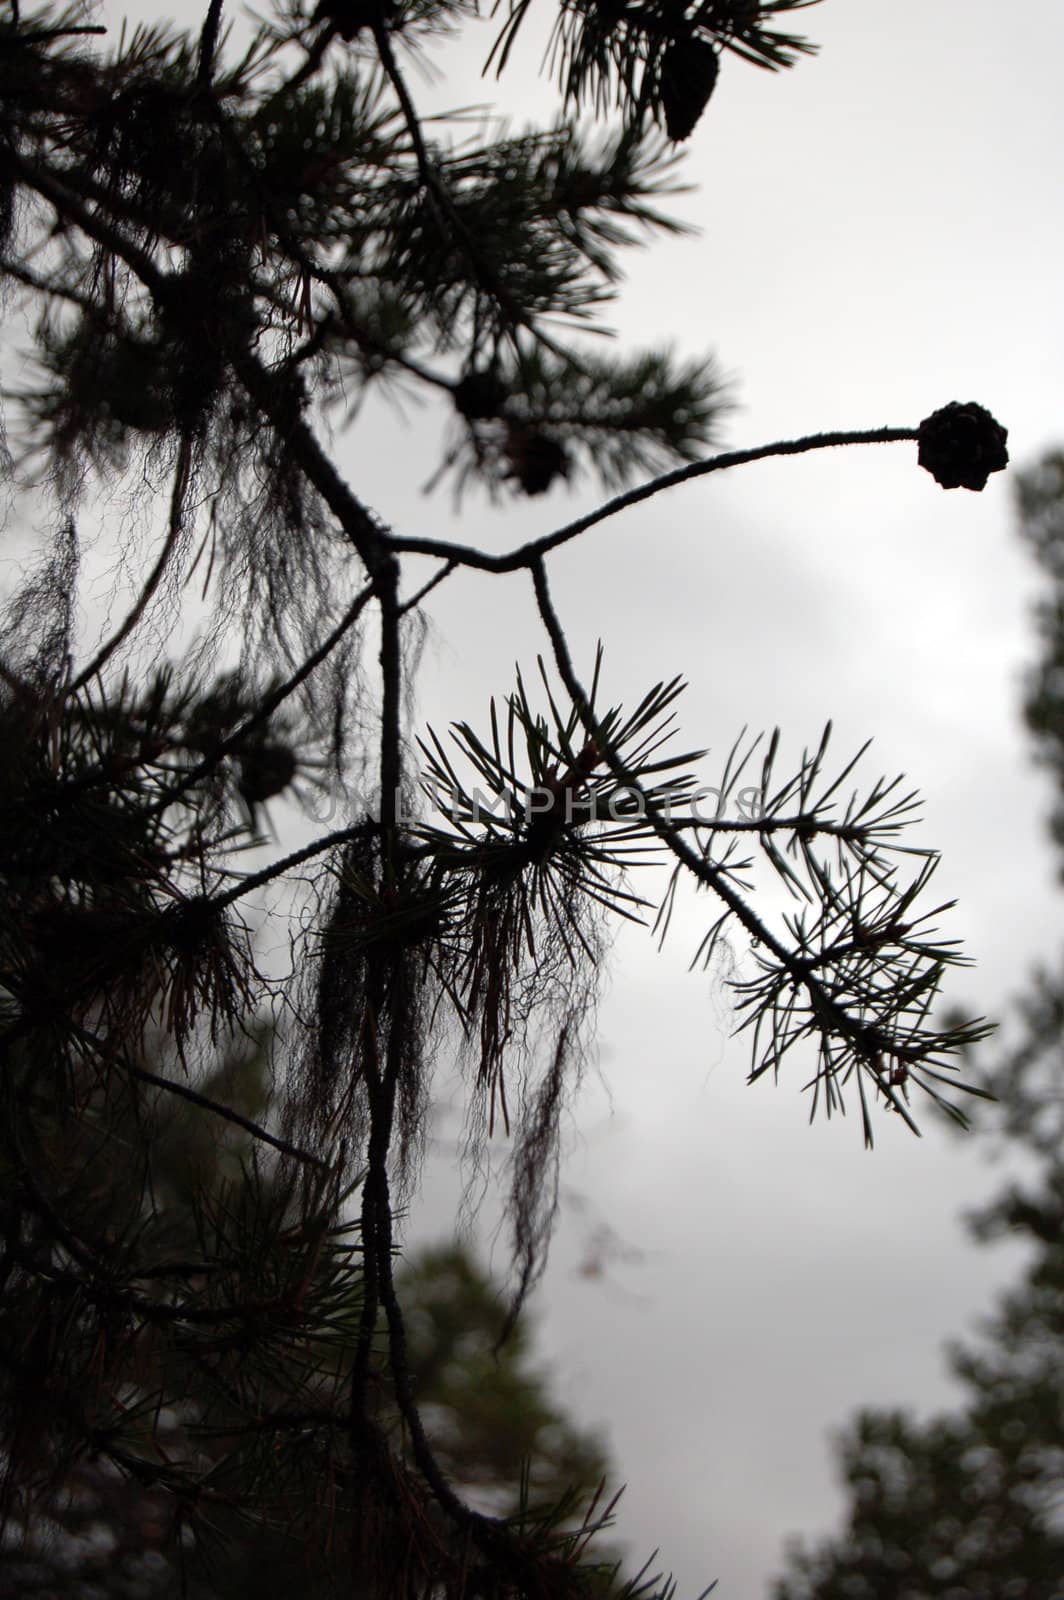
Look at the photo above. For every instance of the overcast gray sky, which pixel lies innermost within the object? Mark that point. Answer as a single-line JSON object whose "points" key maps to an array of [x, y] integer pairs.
{"points": [[882, 230]]}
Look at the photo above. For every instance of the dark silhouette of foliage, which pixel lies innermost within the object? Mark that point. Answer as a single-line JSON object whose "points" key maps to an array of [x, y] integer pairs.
{"points": [[1041, 499], [211, 255], [493, 1426]]}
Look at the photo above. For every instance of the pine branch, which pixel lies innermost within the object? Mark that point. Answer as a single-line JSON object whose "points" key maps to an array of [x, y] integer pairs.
{"points": [[269, 703], [204, 1103], [528, 555], [278, 869], [835, 1011]]}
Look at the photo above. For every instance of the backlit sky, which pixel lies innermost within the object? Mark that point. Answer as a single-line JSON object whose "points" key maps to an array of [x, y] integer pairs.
{"points": [[881, 232]]}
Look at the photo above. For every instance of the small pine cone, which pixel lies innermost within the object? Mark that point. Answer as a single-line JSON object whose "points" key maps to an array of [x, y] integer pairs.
{"points": [[266, 770], [535, 459], [961, 445], [480, 395], [689, 70]]}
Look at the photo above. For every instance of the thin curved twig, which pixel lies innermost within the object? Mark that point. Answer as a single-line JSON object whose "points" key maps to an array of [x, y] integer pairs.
{"points": [[215, 1107], [267, 706], [256, 880], [527, 555]]}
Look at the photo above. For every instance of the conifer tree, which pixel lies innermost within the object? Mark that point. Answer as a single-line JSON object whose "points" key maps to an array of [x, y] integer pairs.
{"points": [[214, 253]]}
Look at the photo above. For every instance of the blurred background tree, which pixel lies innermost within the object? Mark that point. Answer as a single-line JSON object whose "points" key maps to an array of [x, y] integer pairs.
{"points": [[970, 1505]]}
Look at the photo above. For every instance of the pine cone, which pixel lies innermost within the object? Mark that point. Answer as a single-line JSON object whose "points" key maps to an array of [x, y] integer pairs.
{"points": [[480, 395], [535, 459], [689, 70], [961, 445], [266, 770]]}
